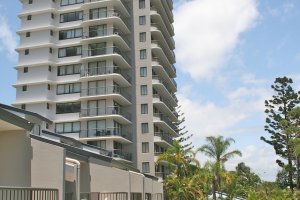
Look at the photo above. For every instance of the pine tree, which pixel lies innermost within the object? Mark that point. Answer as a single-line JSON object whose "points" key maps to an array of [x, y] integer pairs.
{"points": [[184, 135], [277, 108]]}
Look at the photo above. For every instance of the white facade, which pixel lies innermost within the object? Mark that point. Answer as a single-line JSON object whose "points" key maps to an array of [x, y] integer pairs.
{"points": [[102, 71]]}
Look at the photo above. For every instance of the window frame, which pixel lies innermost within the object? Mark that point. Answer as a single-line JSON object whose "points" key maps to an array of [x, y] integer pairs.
{"points": [[147, 167], [65, 69], [144, 108], [68, 88], [70, 51], [145, 127], [143, 54], [142, 20], [143, 71], [76, 2], [72, 129], [72, 32], [142, 4], [143, 37], [145, 147], [70, 107], [78, 15], [144, 90]]}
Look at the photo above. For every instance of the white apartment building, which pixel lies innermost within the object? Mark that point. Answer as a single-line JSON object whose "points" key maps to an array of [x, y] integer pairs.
{"points": [[103, 72]]}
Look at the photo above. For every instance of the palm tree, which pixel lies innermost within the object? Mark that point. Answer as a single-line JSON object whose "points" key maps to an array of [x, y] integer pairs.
{"points": [[179, 159], [217, 148]]}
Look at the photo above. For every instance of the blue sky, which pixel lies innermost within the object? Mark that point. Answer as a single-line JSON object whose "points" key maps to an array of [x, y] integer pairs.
{"points": [[228, 54]]}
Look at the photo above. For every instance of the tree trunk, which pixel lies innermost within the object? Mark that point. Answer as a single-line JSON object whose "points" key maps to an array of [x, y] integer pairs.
{"points": [[298, 173], [290, 170], [214, 189], [290, 164]]}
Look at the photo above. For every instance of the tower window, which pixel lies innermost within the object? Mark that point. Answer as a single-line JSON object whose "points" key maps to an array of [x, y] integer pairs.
{"points": [[142, 20], [142, 4], [143, 71], [24, 88], [143, 54], [144, 90], [145, 128]]}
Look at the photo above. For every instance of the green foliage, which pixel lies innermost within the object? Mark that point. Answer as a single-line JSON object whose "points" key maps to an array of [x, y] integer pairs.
{"points": [[270, 191], [277, 121], [217, 148]]}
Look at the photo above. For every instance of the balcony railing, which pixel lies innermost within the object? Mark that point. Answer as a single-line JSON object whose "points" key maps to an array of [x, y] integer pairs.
{"points": [[156, 77], [114, 110], [164, 137], [166, 120], [93, 71], [105, 90], [160, 174], [104, 14], [22, 193], [105, 51], [167, 103], [108, 132], [168, 36], [168, 51], [155, 59], [104, 196], [105, 32], [118, 153]]}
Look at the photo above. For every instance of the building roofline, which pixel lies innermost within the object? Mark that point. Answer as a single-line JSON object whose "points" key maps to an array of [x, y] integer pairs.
{"points": [[74, 147], [3, 106], [15, 119]]}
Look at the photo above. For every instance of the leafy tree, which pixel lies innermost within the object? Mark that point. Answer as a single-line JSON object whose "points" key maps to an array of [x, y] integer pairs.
{"points": [[179, 159], [277, 108], [217, 148], [282, 178]]}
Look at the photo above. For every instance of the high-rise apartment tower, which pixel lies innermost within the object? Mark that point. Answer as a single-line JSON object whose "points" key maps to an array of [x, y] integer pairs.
{"points": [[103, 72]]}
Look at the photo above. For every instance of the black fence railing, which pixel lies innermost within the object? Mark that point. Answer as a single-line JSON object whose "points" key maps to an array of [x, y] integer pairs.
{"points": [[104, 196], [22, 193]]}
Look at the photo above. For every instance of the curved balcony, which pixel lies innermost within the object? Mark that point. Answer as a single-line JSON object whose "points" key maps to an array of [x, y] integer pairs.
{"points": [[120, 155], [158, 65], [171, 83], [164, 123], [169, 54], [101, 54], [165, 105], [102, 73], [158, 28], [164, 10], [157, 33], [104, 35], [161, 87], [158, 52], [113, 112], [169, 10], [163, 139], [114, 134], [120, 5], [106, 17], [106, 92], [157, 18]]}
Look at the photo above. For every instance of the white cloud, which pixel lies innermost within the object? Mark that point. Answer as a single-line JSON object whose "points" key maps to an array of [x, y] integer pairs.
{"points": [[207, 31], [260, 159], [204, 118], [8, 41]]}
